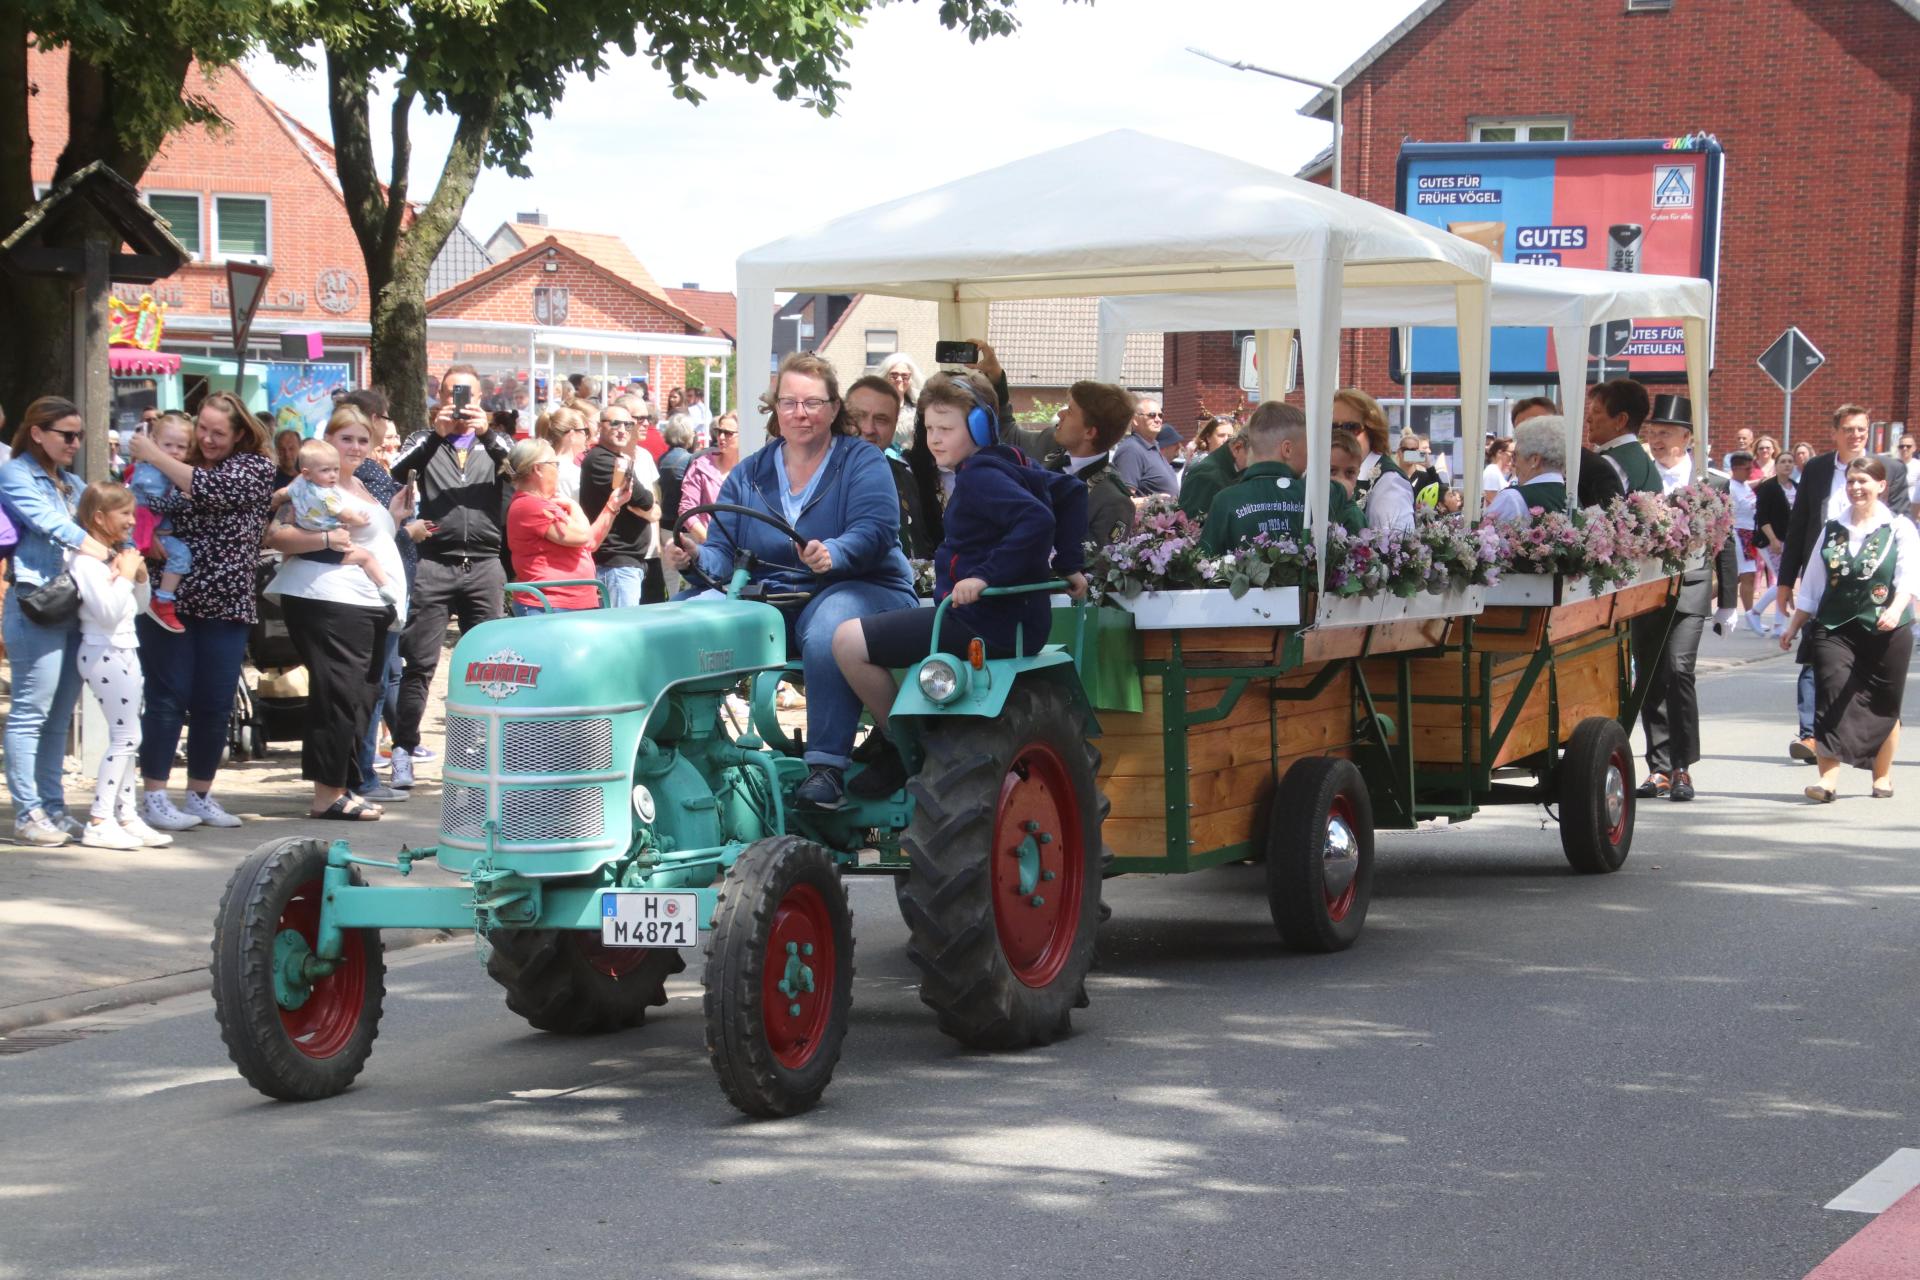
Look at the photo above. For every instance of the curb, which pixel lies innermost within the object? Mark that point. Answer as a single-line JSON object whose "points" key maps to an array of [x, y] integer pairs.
{"points": [[187, 982], [1733, 664]]}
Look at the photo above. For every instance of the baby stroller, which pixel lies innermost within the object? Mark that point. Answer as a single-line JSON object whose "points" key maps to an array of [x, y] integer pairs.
{"points": [[277, 709]]}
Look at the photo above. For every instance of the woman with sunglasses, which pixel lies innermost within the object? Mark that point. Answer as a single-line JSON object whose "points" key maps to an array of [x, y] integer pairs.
{"points": [[1383, 490], [706, 473], [41, 494]]}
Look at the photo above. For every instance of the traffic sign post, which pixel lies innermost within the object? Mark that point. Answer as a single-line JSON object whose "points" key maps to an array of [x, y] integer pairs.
{"points": [[1605, 341], [246, 286], [1790, 361]]}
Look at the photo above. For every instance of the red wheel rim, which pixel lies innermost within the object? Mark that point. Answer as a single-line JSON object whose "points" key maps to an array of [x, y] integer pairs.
{"points": [[614, 962], [1339, 904], [324, 1024], [1037, 883], [1619, 773], [796, 988]]}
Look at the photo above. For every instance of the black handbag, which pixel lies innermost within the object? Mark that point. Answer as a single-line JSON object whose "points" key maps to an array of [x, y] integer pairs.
{"points": [[52, 604]]}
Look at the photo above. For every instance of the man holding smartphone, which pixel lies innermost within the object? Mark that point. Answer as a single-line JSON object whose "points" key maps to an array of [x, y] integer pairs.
{"points": [[458, 466]]}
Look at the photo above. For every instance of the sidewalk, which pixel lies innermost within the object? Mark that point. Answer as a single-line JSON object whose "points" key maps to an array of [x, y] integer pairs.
{"points": [[88, 928]]}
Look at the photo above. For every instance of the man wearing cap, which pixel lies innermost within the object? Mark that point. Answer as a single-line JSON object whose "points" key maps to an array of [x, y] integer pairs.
{"points": [[1137, 459], [1671, 713], [1615, 411]]}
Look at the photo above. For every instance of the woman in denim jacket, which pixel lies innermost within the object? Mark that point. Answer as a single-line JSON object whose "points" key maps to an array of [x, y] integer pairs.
{"points": [[40, 492]]}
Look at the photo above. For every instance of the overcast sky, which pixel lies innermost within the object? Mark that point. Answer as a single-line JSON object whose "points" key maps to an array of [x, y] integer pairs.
{"points": [[691, 188]]}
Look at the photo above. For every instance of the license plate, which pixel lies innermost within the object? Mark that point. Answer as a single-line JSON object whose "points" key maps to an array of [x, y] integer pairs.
{"points": [[635, 918]]}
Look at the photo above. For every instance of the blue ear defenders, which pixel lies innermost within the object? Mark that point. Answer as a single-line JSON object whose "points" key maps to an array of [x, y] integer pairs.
{"points": [[983, 420]]}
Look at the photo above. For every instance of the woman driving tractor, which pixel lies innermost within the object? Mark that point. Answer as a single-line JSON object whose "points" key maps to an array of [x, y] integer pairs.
{"points": [[835, 491]]}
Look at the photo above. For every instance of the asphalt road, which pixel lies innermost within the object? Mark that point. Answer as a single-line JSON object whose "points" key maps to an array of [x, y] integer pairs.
{"points": [[1516, 1073]]}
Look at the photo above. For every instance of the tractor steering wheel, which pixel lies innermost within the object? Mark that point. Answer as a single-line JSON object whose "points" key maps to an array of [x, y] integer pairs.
{"points": [[693, 568]]}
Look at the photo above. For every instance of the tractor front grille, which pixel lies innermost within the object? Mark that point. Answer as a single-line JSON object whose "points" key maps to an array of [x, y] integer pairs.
{"points": [[552, 814], [556, 746], [463, 810], [466, 744]]}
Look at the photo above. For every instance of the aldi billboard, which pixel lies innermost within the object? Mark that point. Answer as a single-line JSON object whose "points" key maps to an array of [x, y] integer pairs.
{"points": [[1649, 206]]}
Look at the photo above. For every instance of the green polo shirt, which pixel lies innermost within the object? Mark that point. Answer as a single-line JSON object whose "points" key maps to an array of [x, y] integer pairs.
{"points": [[1204, 481]]}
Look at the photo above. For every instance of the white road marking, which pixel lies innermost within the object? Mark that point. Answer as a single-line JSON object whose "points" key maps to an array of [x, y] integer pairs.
{"points": [[1885, 1183]]}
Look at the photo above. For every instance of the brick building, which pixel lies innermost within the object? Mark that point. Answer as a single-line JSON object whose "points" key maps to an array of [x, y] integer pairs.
{"points": [[1816, 102]]}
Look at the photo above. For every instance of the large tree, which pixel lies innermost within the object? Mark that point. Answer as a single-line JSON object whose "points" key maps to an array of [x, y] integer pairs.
{"points": [[126, 91], [498, 65]]}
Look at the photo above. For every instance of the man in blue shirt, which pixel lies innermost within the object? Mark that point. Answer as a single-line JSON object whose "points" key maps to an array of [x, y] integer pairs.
{"points": [[1137, 459]]}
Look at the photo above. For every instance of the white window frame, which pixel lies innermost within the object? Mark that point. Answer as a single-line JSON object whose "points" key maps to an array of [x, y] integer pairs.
{"points": [[199, 254], [1522, 126], [868, 351], [213, 224]]}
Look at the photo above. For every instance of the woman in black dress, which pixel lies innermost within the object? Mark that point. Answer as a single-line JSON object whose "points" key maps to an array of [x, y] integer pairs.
{"points": [[1858, 590]]}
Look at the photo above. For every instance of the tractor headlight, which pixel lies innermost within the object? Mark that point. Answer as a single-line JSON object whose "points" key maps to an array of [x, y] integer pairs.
{"points": [[941, 680], [643, 804]]}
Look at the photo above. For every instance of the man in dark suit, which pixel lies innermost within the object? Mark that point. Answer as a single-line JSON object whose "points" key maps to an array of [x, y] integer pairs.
{"points": [[1601, 479], [1615, 412], [1671, 713], [1819, 500]]}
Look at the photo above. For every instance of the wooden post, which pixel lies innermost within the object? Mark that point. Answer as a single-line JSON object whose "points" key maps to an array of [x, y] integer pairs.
{"points": [[92, 384]]}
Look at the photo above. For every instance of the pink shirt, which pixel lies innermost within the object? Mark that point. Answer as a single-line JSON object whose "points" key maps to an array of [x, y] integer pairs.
{"points": [[701, 486]]}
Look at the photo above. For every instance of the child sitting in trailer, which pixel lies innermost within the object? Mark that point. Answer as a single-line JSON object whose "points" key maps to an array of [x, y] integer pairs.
{"points": [[1270, 496], [1008, 522]]}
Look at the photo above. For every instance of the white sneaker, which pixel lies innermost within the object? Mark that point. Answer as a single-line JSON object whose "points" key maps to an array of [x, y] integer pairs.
{"points": [[402, 769], [33, 827], [208, 810], [106, 834], [146, 835], [158, 811], [1753, 620]]}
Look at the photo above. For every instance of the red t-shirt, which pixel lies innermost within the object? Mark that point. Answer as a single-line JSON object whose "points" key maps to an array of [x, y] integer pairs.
{"points": [[535, 559]]}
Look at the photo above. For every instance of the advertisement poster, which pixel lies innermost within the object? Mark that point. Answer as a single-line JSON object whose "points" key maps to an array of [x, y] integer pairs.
{"points": [[1642, 206], [300, 396]]}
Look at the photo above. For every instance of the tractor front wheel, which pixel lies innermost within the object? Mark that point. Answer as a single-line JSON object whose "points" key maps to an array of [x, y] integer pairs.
{"points": [[297, 1028], [1320, 855], [1002, 895], [779, 977], [565, 981]]}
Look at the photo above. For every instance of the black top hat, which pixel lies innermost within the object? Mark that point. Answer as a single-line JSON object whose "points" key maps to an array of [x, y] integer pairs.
{"points": [[1672, 411]]}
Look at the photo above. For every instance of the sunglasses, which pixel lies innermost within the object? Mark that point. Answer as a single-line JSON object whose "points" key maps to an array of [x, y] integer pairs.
{"points": [[1345, 426], [725, 435], [71, 437]]}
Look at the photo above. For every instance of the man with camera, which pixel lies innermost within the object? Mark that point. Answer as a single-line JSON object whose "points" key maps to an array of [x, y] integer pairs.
{"points": [[458, 465]]}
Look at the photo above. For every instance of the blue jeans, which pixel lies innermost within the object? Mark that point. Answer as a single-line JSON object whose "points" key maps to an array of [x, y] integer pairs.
{"points": [[629, 584], [388, 709], [192, 678], [1803, 695], [46, 686], [179, 555], [833, 708]]}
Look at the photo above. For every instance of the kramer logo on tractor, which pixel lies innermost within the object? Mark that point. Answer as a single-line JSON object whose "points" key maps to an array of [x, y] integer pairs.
{"points": [[501, 675]]}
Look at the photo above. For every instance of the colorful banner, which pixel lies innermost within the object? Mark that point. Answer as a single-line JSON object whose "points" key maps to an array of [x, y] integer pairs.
{"points": [[1644, 206], [300, 396]]}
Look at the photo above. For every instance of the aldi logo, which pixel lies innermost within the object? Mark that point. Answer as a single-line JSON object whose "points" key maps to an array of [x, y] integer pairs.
{"points": [[1673, 186], [501, 675]]}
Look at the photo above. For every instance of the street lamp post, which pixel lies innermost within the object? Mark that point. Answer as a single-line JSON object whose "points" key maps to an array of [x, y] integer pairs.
{"points": [[1334, 89]]}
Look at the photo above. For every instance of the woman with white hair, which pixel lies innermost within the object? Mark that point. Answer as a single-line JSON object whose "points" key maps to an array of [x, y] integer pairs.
{"points": [[900, 370], [1539, 472]]}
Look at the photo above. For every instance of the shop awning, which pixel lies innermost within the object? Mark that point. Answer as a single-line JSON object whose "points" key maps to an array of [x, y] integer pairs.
{"points": [[133, 362]]}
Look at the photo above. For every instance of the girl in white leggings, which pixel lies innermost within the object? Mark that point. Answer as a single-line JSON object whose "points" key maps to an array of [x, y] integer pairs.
{"points": [[110, 664]]}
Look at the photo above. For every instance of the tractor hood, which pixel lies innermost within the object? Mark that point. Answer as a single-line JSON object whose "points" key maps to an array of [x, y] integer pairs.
{"points": [[610, 659]]}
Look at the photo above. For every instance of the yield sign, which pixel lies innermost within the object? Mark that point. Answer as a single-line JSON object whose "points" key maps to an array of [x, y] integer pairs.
{"points": [[1791, 360], [246, 285]]}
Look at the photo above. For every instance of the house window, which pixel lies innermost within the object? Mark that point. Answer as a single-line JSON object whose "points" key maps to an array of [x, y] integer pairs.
{"points": [[240, 229], [1543, 129], [881, 343], [182, 212], [1649, 6]]}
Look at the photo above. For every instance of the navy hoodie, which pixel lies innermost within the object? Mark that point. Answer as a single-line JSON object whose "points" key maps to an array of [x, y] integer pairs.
{"points": [[1010, 522]]}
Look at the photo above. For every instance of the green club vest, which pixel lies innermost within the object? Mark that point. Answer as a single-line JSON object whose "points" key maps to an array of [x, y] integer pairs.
{"points": [[1549, 497], [1642, 475], [1858, 586]]}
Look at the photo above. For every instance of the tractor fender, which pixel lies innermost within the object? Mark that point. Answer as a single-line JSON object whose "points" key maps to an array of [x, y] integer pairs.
{"points": [[985, 699]]}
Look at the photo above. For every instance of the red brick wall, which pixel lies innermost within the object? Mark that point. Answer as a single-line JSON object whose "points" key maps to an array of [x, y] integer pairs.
{"points": [[1817, 103]]}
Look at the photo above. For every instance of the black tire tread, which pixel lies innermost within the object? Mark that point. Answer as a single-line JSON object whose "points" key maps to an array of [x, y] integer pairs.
{"points": [[1296, 889], [553, 986], [1582, 812], [242, 970]]}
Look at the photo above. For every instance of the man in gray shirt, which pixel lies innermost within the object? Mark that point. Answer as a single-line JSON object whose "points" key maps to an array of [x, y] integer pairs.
{"points": [[1137, 459]]}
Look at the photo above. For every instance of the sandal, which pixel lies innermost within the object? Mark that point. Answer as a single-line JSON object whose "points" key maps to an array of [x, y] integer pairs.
{"points": [[349, 808], [1883, 793], [1819, 795]]}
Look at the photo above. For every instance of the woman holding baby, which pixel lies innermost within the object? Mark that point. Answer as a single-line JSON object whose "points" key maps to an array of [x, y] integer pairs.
{"points": [[342, 587]]}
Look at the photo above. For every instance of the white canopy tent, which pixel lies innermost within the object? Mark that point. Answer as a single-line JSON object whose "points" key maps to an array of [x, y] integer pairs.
{"points": [[1567, 300], [1125, 214]]}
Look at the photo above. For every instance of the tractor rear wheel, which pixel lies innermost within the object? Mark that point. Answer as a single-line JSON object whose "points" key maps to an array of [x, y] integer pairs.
{"points": [[1320, 855], [1596, 796], [294, 1035], [779, 976], [1002, 895], [567, 982]]}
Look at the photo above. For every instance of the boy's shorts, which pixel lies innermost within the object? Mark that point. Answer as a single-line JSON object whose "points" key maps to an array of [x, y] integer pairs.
{"points": [[904, 636]]}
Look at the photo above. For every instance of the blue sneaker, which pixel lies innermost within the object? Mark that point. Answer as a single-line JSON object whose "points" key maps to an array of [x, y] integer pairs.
{"points": [[821, 790]]}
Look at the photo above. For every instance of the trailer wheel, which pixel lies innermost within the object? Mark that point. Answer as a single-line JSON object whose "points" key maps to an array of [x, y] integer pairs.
{"points": [[1320, 855], [779, 977], [566, 981], [1596, 796], [294, 1037], [1002, 895]]}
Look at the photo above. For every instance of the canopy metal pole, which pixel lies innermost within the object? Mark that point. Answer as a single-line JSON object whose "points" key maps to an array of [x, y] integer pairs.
{"points": [[1406, 379]]}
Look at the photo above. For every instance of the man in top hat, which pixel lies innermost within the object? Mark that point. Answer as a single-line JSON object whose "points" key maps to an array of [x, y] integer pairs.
{"points": [[1671, 713], [1615, 412]]}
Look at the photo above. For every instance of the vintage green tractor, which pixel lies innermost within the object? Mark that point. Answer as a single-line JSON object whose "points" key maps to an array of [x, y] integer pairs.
{"points": [[601, 812]]}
